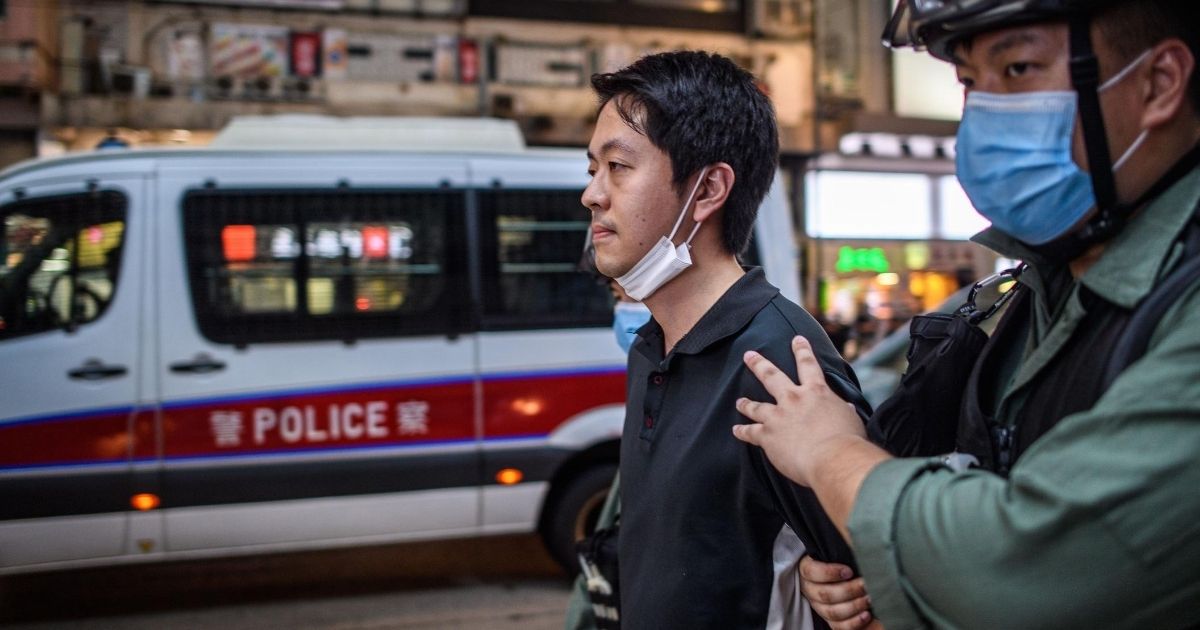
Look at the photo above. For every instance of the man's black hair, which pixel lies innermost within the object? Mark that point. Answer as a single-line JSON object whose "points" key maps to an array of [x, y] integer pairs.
{"points": [[1134, 26], [700, 109]]}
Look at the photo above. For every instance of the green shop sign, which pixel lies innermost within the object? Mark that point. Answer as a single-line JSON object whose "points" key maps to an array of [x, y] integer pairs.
{"points": [[862, 259]]}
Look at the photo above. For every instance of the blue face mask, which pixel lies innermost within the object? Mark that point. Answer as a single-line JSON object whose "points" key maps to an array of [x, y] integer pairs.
{"points": [[1014, 161], [628, 317]]}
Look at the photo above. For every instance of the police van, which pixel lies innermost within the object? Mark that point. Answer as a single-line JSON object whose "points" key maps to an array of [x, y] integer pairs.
{"points": [[315, 332]]}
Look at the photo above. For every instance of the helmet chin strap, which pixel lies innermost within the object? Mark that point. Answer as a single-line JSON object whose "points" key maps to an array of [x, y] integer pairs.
{"points": [[1110, 216]]}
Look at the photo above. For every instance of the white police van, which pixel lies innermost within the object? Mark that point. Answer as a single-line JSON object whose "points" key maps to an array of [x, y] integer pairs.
{"points": [[261, 345]]}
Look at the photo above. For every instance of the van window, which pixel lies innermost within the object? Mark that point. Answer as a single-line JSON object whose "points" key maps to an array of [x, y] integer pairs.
{"points": [[531, 247], [302, 265], [59, 261]]}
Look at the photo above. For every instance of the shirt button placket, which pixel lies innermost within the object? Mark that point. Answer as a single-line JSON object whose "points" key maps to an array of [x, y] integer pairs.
{"points": [[654, 396]]}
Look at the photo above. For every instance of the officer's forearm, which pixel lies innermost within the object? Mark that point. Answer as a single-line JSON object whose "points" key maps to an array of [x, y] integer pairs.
{"points": [[838, 470]]}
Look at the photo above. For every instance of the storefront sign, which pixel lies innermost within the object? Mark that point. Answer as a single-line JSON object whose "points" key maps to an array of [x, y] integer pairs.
{"points": [[185, 57], [852, 259], [541, 64], [335, 58], [391, 57], [249, 51], [306, 54], [468, 61]]}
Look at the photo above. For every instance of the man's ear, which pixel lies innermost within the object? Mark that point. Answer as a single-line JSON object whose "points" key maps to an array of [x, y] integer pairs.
{"points": [[1170, 75], [714, 190]]}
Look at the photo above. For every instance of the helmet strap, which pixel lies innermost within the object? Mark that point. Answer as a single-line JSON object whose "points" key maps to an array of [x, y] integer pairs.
{"points": [[1085, 78], [1110, 216]]}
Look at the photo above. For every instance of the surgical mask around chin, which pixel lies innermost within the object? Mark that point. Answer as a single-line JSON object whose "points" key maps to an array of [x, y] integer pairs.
{"points": [[1014, 161], [628, 317], [665, 260]]}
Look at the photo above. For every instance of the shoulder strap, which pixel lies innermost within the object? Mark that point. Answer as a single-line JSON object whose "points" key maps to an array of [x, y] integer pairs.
{"points": [[978, 434], [1136, 338]]}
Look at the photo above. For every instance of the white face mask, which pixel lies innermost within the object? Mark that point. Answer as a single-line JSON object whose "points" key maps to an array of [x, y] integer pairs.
{"points": [[664, 261]]}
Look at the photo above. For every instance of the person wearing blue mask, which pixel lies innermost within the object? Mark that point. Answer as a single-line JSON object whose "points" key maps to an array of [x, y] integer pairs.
{"points": [[1079, 142], [628, 314], [628, 317]]}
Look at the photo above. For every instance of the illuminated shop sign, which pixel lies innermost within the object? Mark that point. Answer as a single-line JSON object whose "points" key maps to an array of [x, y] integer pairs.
{"points": [[861, 204], [847, 204], [237, 242], [851, 259], [240, 243]]}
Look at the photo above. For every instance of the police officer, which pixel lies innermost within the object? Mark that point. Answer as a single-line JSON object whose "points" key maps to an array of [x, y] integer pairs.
{"points": [[1079, 143]]}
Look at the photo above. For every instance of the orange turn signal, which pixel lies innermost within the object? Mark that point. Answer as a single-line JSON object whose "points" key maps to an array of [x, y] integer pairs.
{"points": [[509, 476], [144, 501], [528, 406]]}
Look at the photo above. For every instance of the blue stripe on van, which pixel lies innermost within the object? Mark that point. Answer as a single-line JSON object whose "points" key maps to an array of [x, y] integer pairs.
{"points": [[115, 465], [510, 376], [407, 446], [278, 453], [531, 440], [77, 415]]}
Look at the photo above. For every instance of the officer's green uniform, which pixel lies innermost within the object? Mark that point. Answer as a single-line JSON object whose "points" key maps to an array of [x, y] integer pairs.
{"points": [[1102, 513]]}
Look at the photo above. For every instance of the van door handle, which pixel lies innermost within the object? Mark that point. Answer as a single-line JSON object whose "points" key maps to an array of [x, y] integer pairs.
{"points": [[202, 364], [96, 370]]}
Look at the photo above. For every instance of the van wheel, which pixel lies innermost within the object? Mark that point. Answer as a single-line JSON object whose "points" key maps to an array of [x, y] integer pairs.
{"points": [[572, 513]]}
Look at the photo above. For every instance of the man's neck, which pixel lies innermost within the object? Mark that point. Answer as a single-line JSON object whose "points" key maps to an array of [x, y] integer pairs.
{"points": [[1080, 265], [680, 303], [1153, 169]]}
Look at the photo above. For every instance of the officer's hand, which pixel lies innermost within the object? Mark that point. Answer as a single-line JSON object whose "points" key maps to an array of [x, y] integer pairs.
{"points": [[808, 420], [835, 594]]}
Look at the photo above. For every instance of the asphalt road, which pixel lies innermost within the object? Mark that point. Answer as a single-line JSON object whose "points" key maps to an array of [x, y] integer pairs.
{"points": [[504, 582]]}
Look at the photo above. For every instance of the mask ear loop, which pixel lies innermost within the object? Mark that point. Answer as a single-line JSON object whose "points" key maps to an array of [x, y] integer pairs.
{"points": [[1115, 79], [1137, 144], [683, 212], [1126, 71]]}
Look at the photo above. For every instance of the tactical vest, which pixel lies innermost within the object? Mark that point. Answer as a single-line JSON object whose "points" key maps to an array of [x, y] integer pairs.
{"points": [[1107, 340]]}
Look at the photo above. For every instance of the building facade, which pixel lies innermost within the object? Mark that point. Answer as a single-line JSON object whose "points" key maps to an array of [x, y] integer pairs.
{"points": [[81, 74]]}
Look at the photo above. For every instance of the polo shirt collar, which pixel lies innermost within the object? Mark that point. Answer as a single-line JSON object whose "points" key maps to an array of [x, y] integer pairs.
{"points": [[740, 303]]}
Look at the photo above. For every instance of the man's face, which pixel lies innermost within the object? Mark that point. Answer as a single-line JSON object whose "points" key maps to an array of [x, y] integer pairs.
{"points": [[1035, 58], [1022, 59], [632, 200]]}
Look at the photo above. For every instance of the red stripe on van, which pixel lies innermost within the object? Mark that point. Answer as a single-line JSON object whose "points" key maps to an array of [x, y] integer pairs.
{"points": [[377, 417], [513, 407], [524, 406], [145, 437], [96, 439]]}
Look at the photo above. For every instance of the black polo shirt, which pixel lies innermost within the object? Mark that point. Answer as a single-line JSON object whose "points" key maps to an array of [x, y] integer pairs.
{"points": [[706, 522]]}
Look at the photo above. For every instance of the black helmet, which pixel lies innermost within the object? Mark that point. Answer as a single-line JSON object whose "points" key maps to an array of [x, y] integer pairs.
{"points": [[938, 25]]}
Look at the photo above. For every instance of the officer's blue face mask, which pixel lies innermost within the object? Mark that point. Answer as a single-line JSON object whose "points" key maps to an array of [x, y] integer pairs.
{"points": [[1014, 161], [628, 317]]}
